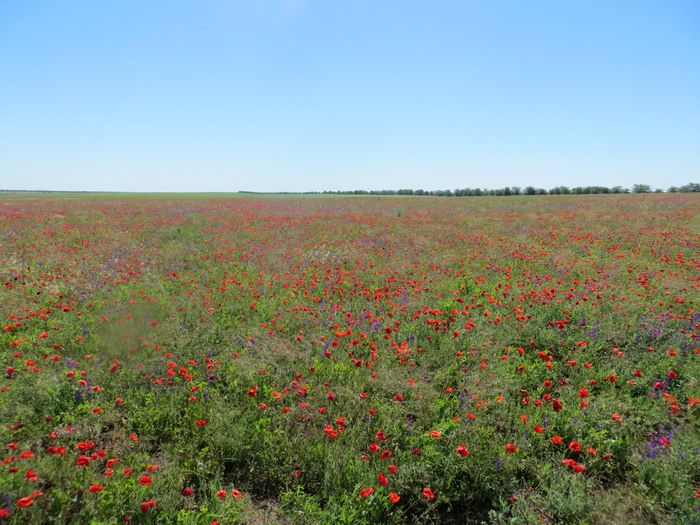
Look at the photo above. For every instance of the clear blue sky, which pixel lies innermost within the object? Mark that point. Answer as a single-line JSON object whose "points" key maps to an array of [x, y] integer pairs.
{"points": [[294, 95]]}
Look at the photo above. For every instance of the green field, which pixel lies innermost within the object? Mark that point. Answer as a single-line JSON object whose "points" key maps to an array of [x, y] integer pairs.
{"points": [[295, 359]]}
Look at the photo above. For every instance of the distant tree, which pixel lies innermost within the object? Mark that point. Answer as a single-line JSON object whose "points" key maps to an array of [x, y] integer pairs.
{"points": [[641, 188], [620, 189], [530, 190], [673, 189], [560, 190], [515, 190], [693, 187]]}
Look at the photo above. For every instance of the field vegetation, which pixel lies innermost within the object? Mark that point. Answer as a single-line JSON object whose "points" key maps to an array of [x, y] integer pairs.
{"points": [[350, 360]]}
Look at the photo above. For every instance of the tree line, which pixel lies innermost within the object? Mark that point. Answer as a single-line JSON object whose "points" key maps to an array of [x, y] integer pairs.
{"points": [[517, 190]]}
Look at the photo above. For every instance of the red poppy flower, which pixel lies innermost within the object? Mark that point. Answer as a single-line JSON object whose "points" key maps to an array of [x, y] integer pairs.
{"points": [[575, 446], [147, 505], [557, 440], [394, 497], [366, 492], [385, 454], [330, 432], [428, 493], [236, 494], [95, 488], [221, 493], [435, 434], [24, 502], [510, 448], [462, 450], [145, 480], [539, 429], [382, 479], [201, 422]]}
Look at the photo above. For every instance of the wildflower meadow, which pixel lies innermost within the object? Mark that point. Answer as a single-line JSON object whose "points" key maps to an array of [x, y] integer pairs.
{"points": [[340, 359]]}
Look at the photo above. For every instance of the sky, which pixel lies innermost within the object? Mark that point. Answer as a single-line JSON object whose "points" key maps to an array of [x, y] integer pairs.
{"points": [[325, 95]]}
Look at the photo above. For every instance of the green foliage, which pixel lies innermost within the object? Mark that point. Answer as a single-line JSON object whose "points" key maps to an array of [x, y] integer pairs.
{"points": [[301, 353]]}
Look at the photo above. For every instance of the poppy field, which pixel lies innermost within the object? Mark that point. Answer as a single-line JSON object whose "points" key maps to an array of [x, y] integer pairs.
{"points": [[350, 360]]}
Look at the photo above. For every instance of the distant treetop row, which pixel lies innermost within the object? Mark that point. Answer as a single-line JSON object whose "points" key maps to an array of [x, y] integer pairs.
{"points": [[516, 190]]}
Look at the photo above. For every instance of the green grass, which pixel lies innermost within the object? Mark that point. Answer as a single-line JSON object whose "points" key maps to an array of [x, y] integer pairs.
{"points": [[389, 319]]}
